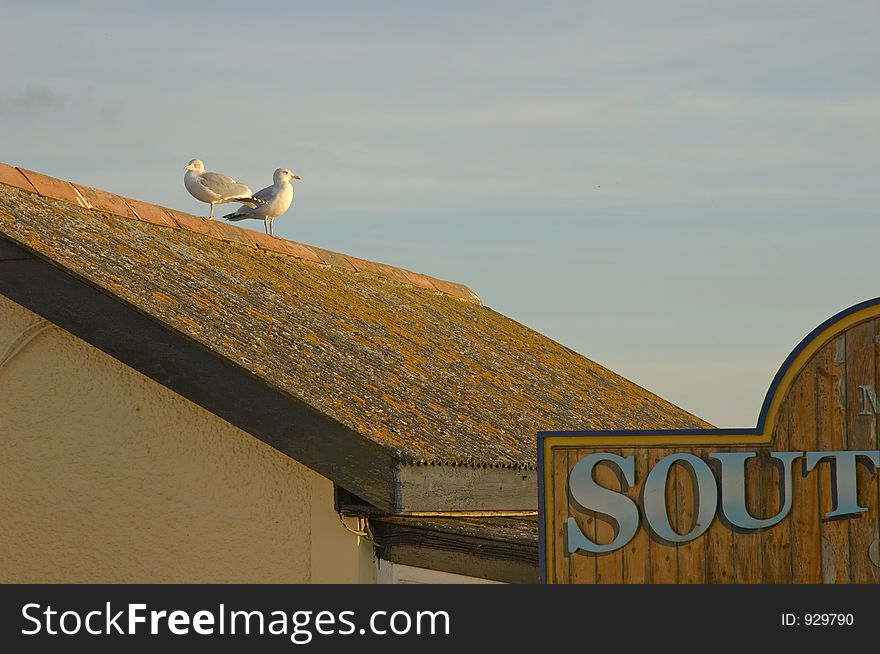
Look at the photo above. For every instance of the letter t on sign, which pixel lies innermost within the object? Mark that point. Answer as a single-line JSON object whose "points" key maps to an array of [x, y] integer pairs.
{"points": [[845, 497]]}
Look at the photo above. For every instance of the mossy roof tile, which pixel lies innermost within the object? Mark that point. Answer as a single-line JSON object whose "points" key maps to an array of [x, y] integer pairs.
{"points": [[434, 379]]}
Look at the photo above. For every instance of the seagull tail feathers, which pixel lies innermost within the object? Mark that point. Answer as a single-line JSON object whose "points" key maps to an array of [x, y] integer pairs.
{"points": [[249, 200]]}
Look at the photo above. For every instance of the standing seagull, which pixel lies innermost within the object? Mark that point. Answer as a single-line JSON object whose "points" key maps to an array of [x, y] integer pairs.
{"points": [[274, 200], [215, 188]]}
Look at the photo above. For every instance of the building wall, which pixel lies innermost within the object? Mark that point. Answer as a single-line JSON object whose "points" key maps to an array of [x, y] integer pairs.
{"points": [[107, 476]]}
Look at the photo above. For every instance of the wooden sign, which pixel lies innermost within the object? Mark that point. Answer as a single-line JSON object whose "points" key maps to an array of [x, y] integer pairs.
{"points": [[794, 500]]}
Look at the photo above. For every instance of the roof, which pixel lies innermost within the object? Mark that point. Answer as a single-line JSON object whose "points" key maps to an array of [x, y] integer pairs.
{"points": [[418, 368]]}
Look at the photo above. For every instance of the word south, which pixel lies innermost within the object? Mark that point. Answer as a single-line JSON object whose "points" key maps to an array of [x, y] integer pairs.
{"points": [[590, 496]]}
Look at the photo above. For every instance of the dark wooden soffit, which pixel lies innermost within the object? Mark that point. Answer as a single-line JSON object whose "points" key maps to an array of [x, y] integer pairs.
{"points": [[192, 371], [499, 548]]}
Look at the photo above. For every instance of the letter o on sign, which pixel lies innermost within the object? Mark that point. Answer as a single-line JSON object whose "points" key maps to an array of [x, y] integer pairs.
{"points": [[706, 495]]}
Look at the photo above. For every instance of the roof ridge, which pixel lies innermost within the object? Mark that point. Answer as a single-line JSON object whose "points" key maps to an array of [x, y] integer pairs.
{"points": [[98, 200]]}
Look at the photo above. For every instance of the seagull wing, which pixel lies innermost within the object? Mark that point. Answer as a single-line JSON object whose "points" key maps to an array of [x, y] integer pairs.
{"points": [[225, 187], [266, 194]]}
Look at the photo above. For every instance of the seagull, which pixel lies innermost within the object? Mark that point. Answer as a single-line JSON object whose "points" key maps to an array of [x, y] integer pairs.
{"points": [[274, 200], [215, 188]]}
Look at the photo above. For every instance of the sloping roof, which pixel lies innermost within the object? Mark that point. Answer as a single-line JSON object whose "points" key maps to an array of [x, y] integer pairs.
{"points": [[416, 365]]}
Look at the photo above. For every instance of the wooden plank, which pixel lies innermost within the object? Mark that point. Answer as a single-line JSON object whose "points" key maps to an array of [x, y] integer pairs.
{"points": [[582, 566], [873, 490], [609, 566], [719, 546], [664, 559], [637, 553], [806, 550], [861, 430], [560, 514], [691, 555], [831, 411], [776, 541], [747, 545]]}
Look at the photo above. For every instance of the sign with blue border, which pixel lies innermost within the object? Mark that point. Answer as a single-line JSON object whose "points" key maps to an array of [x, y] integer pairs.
{"points": [[794, 499]]}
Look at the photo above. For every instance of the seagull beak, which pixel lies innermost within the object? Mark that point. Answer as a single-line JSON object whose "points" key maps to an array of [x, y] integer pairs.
{"points": [[296, 177]]}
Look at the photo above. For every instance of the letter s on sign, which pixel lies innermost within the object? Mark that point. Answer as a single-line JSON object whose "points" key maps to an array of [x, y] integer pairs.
{"points": [[593, 497]]}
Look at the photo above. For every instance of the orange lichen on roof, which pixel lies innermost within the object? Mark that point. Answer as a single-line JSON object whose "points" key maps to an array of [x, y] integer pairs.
{"points": [[431, 378], [98, 200]]}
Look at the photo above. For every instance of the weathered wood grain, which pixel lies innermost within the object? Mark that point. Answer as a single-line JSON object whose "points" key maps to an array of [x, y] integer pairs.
{"points": [[861, 434], [560, 514], [609, 566], [719, 546], [831, 415], [664, 555], [776, 540], [691, 555], [806, 566], [747, 545], [637, 553], [582, 566]]}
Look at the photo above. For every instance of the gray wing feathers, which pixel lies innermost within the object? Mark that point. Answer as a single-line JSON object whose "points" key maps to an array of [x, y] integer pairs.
{"points": [[265, 194], [224, 186]]}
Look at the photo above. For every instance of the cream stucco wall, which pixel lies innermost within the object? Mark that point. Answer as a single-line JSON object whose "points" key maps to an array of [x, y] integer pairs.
{"points": [[106, 476]]}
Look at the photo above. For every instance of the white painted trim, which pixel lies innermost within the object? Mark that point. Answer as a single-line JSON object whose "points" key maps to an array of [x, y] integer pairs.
{"points": [[398, 573]]}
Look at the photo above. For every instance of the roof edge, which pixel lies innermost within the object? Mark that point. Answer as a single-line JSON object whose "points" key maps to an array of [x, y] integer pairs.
{"points": [[95, 199], [198, 374], [464, 488]]}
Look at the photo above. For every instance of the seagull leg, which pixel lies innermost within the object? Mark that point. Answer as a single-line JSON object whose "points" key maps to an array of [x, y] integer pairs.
{"points": [[211, 217]]}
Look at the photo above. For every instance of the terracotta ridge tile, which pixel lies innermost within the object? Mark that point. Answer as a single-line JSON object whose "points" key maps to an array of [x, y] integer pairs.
{"points": [[104, 201], [381, 269], [418, 279], [334, 259], [91, 198], [455, 290], [151, 213], [56, 189], [14, 177], [292, 248]]}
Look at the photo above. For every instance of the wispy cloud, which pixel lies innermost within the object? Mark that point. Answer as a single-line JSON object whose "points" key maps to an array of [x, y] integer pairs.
{"points": [[31, 100]]}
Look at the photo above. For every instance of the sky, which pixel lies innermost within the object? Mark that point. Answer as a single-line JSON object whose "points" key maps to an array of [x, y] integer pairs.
{"points": [[679, 191]]}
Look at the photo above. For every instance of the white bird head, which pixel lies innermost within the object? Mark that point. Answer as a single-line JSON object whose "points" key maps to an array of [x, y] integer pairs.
{"points": [[195, 165], [284, 175]]}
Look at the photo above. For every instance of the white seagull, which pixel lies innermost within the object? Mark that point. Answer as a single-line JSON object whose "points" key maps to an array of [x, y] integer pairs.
{"points": [[274, 200], [215, 188]]}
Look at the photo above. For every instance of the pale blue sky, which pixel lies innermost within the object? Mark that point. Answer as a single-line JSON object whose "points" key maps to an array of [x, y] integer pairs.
{"points": [[678, 190]]}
